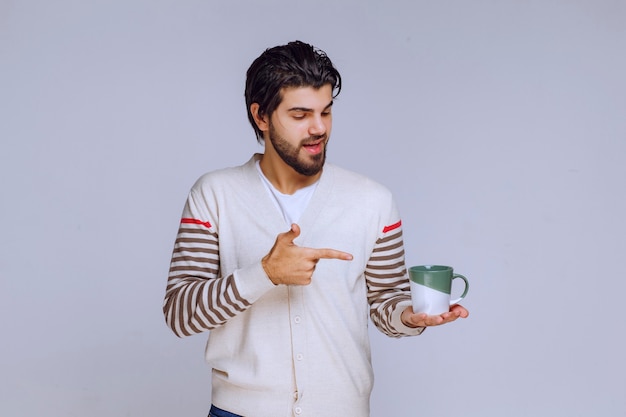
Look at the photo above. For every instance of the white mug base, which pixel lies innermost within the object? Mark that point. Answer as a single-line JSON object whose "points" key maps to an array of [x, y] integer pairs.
{"points": [[429, 301]]}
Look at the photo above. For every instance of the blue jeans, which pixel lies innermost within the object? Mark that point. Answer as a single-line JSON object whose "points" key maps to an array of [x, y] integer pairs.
{"points": [[218, 412]]}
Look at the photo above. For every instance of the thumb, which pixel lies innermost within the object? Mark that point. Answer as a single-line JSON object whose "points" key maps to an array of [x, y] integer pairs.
{"points": [[295, 229], [291, 235]]}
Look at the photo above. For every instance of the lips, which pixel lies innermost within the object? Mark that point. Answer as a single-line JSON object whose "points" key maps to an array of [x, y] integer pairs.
{"points": [[314, 147]]}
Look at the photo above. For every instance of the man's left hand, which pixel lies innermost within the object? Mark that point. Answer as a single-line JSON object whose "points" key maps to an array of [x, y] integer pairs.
{"points": [[411, 319]]}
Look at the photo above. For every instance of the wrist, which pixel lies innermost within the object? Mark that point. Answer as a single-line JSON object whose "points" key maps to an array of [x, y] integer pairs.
{"points": [[266, 270], [405, 318]]}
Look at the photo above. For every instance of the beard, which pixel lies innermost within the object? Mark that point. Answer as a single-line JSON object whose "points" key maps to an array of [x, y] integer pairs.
{"points": [[291, 154]]}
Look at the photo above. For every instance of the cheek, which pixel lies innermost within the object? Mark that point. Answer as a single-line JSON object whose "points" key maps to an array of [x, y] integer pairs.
{"points": [[299, 132], [329, 127], [329, 122], [290, 128]]}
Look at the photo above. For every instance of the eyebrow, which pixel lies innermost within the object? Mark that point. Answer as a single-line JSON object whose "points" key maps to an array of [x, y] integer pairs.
{"points": [[306, 109]]}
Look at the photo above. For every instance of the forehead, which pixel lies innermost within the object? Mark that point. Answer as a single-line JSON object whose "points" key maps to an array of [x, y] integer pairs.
{"points": [[306, 97]]}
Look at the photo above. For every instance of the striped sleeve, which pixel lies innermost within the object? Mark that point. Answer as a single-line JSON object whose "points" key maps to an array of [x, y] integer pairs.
{"points": [[197, 298], [387, 283]]}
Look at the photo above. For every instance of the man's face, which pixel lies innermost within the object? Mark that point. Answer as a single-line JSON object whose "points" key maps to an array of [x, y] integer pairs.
{"points": [[300, 127]]}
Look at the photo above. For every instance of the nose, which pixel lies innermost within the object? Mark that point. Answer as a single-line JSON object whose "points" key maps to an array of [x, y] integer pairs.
{"points": [[317, 126]]}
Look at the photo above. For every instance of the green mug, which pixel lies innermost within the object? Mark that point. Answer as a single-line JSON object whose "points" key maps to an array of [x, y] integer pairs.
{"points": [[431, 286]]}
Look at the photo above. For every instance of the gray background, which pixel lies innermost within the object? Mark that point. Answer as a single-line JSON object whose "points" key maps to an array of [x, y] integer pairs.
{"points": [[498, 125]]}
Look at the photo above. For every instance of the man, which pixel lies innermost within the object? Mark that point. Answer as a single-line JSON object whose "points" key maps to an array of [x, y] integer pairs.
{"points": [[282, 258]]}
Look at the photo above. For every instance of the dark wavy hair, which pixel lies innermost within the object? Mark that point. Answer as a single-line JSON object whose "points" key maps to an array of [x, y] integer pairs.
{"points": [[296, 64]]}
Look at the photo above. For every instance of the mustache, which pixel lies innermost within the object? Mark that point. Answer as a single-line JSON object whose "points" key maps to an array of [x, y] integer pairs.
{"points": [[313, 139]]}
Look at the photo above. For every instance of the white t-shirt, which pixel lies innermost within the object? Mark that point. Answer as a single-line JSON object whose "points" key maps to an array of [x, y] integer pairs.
{"points": [[291, 205]]}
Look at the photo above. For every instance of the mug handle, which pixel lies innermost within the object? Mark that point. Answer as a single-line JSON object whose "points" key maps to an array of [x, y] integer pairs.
{"points": [[455, 276]]}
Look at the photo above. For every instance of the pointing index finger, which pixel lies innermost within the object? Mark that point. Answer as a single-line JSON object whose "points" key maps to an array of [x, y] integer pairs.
{"points": [[331, 254]]}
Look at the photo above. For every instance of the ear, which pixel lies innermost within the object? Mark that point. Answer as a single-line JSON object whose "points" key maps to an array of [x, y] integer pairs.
{"points": [[261, 122]]}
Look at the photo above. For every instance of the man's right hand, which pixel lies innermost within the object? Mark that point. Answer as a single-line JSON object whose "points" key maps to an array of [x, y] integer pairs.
{"points": [[290, 264]]}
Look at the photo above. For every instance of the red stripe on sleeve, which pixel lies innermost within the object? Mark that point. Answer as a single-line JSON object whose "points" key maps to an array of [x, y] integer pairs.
{"points": [[195, 221], [392, 227]]}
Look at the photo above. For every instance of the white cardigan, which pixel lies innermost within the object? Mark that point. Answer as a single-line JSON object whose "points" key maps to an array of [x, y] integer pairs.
{"points": [[279, 351]]}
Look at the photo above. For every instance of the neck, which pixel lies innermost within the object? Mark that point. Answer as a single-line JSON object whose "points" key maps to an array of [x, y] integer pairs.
{"points": [[282, 176]]}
